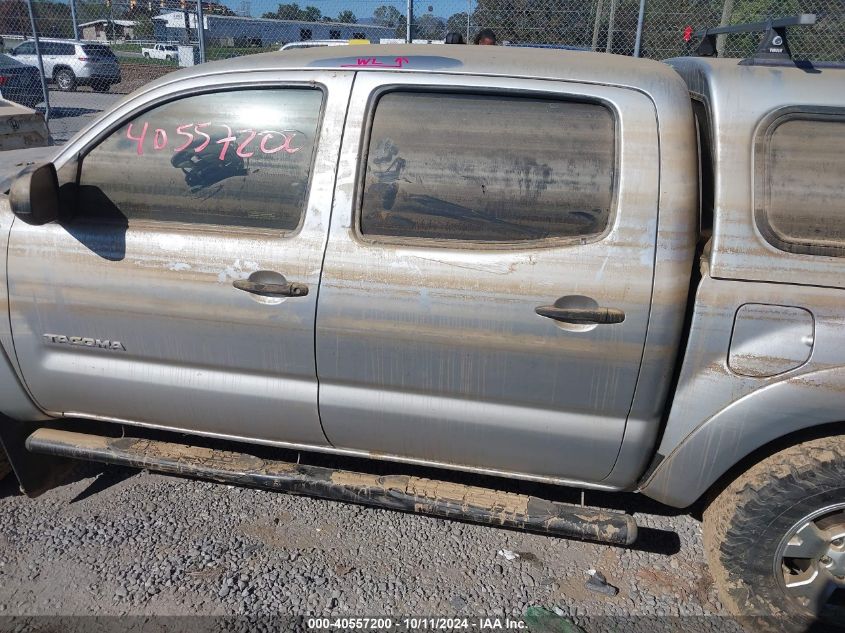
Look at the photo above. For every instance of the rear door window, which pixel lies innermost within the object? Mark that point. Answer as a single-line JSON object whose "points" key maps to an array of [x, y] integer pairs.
{"points": [[238, 158], [27, 48], [483, 167], [799, 201]]}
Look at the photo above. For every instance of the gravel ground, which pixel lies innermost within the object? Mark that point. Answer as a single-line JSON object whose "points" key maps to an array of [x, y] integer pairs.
{"points": [[116, 541]]}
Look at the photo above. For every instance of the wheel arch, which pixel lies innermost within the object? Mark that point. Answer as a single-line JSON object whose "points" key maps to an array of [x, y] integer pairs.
{"points": [[745, 432], [59, 67]]}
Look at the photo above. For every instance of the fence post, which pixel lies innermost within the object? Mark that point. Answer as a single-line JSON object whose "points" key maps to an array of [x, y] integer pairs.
{"points": [[111, 22], [409, 19], [597, 25], [200, 31], [73, 19], [727, 14], [639, 40], [469, 20], [40, 61], [610, 24]]}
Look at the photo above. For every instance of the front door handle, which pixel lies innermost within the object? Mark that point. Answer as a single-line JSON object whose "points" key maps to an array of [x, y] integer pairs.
{"points": [[582, 316], [287, 289]]}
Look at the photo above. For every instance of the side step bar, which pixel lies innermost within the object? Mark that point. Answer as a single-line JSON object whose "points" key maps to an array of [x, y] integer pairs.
{"points": [[395, 492]]}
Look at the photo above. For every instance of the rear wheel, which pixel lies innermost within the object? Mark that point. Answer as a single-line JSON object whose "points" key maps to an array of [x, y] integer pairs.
{"points": [[65, 80], [775, 538]]}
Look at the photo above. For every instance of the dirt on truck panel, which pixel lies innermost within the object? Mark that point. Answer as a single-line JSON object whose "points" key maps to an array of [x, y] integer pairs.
{"points": [[590, 272]]}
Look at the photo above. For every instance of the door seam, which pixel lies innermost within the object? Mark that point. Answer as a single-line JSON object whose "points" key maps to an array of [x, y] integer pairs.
{"points": [[12, 355], [326, 249]]}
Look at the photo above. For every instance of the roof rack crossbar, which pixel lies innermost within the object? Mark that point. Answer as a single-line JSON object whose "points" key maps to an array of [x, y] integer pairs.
{"points": [[804, 19], [773, 46]]}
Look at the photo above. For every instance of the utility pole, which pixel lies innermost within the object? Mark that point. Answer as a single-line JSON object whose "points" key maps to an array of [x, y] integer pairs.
{"points": [[40, 61]]}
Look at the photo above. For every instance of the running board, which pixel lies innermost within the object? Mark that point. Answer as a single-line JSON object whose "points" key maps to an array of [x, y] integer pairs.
{"points": [[395, 492]]}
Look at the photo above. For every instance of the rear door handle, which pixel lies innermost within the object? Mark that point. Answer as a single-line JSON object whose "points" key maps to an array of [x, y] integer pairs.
{"points": [[288, 289], [582, 316]]}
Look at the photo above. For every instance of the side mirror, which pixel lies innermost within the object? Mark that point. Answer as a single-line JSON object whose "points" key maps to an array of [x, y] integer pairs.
{"points": [[34, 196]]}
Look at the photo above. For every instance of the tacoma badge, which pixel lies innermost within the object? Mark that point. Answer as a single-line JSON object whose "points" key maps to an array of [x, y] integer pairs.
{"points": [[84, 341]]}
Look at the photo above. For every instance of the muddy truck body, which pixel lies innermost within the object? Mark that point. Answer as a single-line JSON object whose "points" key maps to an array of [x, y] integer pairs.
{"points": [[578, 269]]}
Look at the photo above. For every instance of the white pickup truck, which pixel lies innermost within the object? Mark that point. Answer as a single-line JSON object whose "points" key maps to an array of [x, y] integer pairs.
{"points": [[161, 51]]}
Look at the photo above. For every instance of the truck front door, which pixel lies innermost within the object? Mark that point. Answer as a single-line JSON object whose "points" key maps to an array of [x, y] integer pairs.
{"points": [[151, 302], [487, 283]]}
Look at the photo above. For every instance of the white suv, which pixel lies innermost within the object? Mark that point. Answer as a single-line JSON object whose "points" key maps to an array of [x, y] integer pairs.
{"points": [[71, 63]]}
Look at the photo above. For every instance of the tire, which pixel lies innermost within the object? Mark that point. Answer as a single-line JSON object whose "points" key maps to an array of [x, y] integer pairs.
{"points": [[65, 80], [147, 55], [101, 86], [771, 511]]}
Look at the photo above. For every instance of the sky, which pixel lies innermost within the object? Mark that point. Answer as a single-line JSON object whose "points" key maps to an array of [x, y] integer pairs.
{"points": [[361, 8]]}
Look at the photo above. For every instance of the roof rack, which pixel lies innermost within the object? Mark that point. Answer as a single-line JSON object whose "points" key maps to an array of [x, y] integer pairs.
{"points": [[772, 48]]}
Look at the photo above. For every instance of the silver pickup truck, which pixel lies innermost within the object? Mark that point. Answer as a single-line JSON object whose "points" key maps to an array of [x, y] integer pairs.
{"points": [[572, 268]]}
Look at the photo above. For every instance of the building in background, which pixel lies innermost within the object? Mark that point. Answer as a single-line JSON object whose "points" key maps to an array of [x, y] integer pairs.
{"points": [[108, 30], [237, 31]]}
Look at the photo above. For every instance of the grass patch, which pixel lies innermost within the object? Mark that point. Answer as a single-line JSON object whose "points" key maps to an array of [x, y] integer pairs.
{"points": [[126, 47]]}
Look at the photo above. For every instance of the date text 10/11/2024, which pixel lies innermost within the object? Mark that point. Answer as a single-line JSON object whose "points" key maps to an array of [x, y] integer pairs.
{"points": [[416, 624]]}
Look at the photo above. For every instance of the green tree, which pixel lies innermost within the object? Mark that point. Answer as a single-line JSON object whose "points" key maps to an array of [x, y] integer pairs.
{"points": [[53, 19], [457, 23], [347, 17], [429, 27], [90, 10], [311, 14], [387, 15], [143, 27], [401, 27], [293, 12], [14, 18]]}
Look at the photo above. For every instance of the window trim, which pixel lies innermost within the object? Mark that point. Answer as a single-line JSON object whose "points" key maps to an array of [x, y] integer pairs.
{"points": [[146, 223], [510, 245], [762, 137]]}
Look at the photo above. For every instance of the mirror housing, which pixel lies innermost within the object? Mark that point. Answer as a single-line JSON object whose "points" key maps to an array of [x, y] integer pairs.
{"points": [[34, 196]]}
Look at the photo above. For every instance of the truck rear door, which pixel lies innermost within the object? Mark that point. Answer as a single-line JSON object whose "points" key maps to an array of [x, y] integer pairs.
{"points": [[477, 203], [162, 299]]}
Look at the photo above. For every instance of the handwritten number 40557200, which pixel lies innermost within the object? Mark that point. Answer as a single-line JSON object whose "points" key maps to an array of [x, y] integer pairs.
{"points": [[270, 141]]}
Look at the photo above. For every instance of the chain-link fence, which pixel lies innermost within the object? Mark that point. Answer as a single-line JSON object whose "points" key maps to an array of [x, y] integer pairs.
{"points": [[91, 50], [616, 26]]}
